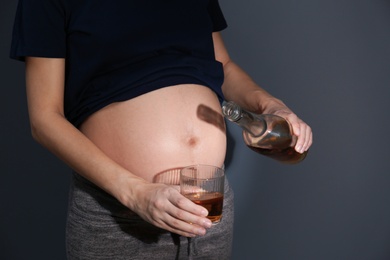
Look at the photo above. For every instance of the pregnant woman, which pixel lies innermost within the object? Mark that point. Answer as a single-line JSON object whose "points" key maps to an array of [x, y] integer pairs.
{"points": [[127, 93]]}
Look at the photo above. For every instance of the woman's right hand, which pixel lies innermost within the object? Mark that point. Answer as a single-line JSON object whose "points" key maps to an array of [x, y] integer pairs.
{"points": [[163, 206]]}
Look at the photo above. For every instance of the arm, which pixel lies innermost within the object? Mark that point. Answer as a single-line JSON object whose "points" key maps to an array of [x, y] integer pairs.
{"points": [[239, 87], [159, 204]]}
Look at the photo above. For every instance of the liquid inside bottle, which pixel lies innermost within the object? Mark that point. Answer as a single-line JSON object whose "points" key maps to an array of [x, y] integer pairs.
{"points": [[287, 155]]}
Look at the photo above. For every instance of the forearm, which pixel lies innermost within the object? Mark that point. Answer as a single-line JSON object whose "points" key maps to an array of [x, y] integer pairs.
{"points": [[239, 87], [60, 137], [45, 94]]}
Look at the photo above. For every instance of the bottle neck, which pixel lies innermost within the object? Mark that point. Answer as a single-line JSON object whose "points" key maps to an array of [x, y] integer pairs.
{"points": [[254, 125]]}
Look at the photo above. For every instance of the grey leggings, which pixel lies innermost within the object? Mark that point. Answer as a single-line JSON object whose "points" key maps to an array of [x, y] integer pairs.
{"points": [[99, 227]]}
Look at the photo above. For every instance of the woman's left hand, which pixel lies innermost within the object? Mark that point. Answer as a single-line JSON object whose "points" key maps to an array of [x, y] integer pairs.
{"points": [[300, 129]]}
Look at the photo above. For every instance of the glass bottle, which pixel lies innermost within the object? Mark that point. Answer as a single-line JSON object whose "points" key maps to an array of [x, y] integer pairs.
{"points": [[269, 135]]}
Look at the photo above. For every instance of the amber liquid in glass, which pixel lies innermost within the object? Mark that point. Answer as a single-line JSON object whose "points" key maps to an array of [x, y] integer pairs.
{"points": [[212, 201]]}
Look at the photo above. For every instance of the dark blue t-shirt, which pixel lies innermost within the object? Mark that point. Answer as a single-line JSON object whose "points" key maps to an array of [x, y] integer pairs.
{"points": [[117, 50]]}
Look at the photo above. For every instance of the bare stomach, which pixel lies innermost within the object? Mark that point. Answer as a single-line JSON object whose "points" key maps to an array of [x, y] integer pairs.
{"points": [[164, 129]]}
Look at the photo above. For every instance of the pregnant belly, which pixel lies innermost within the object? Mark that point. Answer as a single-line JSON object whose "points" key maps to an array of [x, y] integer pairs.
{"points": [[164, 129]]}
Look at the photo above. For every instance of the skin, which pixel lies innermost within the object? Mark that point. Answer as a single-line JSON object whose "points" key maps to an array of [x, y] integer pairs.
{"points": [[123, 146]]}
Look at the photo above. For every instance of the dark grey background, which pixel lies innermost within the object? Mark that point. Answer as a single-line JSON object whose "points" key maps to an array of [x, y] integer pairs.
{"points": [[329, 60]]}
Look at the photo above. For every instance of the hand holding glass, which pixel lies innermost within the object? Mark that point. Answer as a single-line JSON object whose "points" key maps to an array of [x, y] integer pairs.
{"points": [[204, 185]]}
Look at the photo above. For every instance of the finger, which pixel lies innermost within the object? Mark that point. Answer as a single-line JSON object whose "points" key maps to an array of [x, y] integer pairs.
{"points": [[302, 137], [182, 202], [183, 228], [192, 219], [191, 225], [309, 141], [184, 209], [295, 123], [302, 131], [306, 138], [184, 223]]}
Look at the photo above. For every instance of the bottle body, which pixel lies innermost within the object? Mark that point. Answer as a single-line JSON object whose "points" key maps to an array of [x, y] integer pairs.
{"points": [[269, 135], [276, 142]]}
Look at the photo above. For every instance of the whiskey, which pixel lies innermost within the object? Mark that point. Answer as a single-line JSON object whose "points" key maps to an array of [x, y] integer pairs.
{"points": [[287, 155], [212, 201]]}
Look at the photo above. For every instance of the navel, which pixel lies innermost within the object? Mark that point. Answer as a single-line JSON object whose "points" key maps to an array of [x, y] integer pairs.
{"points": [[192, 141]]}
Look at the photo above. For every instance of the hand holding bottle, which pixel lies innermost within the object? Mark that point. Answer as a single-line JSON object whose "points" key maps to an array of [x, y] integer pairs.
{"points": [[267, 134], [300, 130]]}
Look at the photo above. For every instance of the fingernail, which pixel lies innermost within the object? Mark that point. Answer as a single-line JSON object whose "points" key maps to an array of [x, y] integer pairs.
{"points": [[201, 232], [207, 223]]}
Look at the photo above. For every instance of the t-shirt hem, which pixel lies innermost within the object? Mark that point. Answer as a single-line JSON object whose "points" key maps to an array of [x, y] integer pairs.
{"points": [[136, 92]]}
